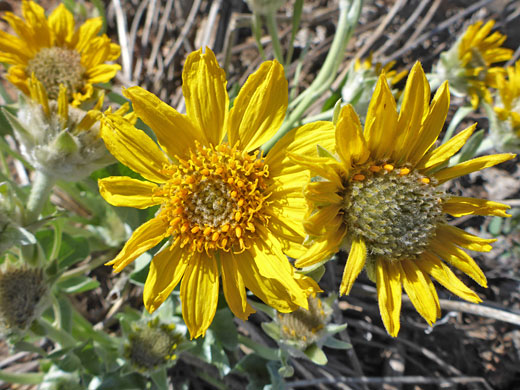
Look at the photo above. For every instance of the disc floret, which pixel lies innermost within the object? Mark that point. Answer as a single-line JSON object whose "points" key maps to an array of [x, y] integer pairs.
{"points": [[216, 198], [395, 210]]}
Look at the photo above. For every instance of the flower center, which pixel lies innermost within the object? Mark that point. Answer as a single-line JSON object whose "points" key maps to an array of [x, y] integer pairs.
{"points": [[152, 345], [53, 66], [21, 291], [395, 211], [304, 325], [216, 198]]}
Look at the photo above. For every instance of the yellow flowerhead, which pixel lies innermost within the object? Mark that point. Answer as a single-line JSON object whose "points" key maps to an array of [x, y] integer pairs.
{"points": [[468, 64], [224, 208], [509, 90], [57, 52], [505, 116], [380, 199], [361, 80]]}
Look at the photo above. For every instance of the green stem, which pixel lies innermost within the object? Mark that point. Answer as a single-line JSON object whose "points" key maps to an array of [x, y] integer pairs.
{"points": [[257, 33], [57, 335], [26, 378], [348, 18], [272, 28], [40, 191], [297, 14]]}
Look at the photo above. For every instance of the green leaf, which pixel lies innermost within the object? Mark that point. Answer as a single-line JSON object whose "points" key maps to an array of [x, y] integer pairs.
{"points": [[315, 354], [332, 342], [77, 284], [225, 329], [160, 379]]}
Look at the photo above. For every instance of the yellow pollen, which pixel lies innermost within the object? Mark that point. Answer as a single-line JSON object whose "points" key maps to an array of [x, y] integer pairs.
{"points": [[185, 227], [375, 168], [207, 231], [238, 215], [195, 229], [388, 167], [205, 172], [175, 221], [404, 171], [219, 170], [425, 180], [190, 180], [224, 242], [230, 180], [178, 210], [215, 236], [234, 194], [225, 228], [240, 184], [240, 203], [358, 177], [238, 231], [251, 227]]}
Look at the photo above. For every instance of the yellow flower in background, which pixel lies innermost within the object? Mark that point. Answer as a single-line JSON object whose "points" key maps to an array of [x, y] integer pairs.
{"points": [[225, 209], [509, 89], [57, 52], [381, 199], [468, 64], [361, 80]]}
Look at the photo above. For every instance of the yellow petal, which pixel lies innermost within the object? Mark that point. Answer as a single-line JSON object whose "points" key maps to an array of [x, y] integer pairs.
{"points": [[433, 266], [199, 293], [388, 279], [459, 259], [350, 142], [259, 109], [234, 287], [464, 239], [322, 192], [322, 219], [325, 167], [473, 165], [432, 125], [34, 16], [459, 206], [381, 121], [269, 290], [302, 141], [175, 132], [102, 73], [86, 32], [322, 249], [204, 89], [413, 110], [166, 270], [127, 192], [421, 291], [355, 263], [443, 153], [144, 237], [61, 21], [289, 232], [133, 148]]}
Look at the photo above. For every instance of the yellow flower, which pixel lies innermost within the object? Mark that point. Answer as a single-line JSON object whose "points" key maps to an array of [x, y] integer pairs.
{"points": [[468, 65], [57, 52], [381, 200], [224, 208], [509, 89]]}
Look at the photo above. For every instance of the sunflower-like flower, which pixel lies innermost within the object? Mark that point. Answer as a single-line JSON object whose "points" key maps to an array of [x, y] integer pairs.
{"points": [[505, 117], [381, 200], [224, 208], [60, 140], [57, 52], [361, 80], [468, 64]]}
